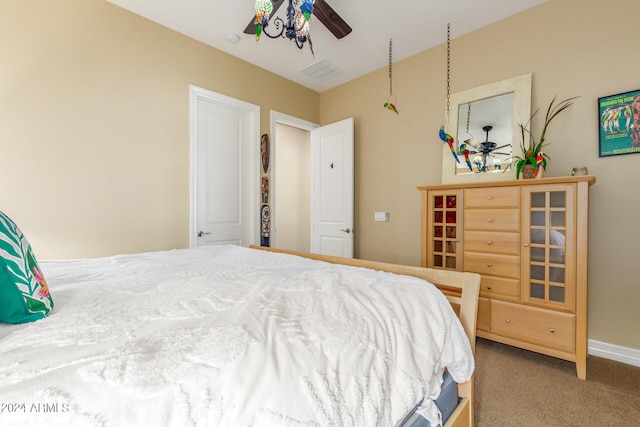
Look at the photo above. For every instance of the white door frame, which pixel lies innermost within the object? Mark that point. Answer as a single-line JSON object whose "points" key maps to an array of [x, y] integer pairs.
{"points": [[250, 157], [285, 119]]}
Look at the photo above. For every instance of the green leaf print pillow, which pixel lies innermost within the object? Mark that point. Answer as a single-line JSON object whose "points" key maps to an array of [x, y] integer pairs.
{"points": [[24, 295]]}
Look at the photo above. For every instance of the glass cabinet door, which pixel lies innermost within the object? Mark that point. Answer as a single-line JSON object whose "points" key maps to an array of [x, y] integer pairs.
{"points": [[548, 273], [445, 229]]}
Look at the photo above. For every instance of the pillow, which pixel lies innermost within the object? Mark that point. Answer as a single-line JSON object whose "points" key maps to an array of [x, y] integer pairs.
{"points": [[24, 294]]}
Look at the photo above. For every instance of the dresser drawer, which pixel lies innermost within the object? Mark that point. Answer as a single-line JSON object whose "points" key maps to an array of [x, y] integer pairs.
{"points": [[492, 242], [492, 219], [496, 197], [500, 288], [492, 264], [534, 325]]}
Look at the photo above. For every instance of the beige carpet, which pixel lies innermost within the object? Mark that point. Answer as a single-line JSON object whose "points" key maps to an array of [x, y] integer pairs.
{"points": [[516, 387]]}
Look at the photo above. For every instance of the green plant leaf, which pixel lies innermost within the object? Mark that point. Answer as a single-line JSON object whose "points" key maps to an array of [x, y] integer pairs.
{"points": [[528, 141], [518, 168]]}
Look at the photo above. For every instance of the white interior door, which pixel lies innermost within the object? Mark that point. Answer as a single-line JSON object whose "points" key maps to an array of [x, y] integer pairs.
{"points": [[224, 169], [332, 195]]}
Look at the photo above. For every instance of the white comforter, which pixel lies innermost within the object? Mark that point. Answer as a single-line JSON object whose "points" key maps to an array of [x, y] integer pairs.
{"points": [[227, 336]]}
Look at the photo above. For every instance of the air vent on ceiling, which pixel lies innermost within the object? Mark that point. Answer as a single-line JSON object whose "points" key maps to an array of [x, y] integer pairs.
{"points": [[321, 70]]}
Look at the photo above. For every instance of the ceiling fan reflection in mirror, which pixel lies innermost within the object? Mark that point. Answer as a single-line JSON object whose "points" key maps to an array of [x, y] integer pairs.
{"points": [[485, 158], [296, 27]]}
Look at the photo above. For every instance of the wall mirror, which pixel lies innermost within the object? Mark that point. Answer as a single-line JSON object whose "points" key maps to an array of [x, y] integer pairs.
{"points": [[487, 119]]}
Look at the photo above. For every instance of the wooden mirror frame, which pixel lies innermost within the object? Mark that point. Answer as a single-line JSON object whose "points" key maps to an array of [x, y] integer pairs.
{"points": [[521, 88]]}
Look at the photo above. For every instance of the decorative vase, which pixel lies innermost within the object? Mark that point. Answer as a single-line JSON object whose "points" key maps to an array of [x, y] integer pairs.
{"points": [[529, 172]]}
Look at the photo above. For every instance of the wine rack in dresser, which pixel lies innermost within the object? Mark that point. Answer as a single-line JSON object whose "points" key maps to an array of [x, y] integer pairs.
{"points": [[529, 241]]}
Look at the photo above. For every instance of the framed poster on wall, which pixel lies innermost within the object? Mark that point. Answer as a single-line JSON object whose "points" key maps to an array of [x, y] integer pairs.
{"points": [[619, 124]]}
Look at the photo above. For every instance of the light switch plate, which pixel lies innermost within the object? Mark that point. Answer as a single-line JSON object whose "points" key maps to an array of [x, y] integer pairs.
{"points": [[381, 216]]}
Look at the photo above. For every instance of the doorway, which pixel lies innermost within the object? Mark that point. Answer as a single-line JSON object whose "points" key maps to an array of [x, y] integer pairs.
{"points": [[316, 210], [291, 182]]}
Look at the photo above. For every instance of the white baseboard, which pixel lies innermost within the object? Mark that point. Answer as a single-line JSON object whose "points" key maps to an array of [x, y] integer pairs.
{"points": [[618, 353]]}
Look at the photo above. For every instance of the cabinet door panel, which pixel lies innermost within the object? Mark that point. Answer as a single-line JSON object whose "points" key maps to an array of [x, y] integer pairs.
{"points": [[548, 270], [443, 228]]}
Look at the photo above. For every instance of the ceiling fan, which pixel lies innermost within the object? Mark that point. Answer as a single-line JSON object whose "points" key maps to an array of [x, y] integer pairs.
{"points": [[321, 10]]}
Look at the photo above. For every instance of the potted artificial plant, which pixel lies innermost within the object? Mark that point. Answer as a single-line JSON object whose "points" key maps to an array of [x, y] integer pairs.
{"points": [[532, 153]]}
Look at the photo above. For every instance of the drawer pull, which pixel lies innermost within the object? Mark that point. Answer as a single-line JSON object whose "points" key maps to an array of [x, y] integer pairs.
{"points": [[526, 245], [489, 287], [488, 264], [552, 330], [490, 197], [490, 220], [489, 243], [507, 320]]}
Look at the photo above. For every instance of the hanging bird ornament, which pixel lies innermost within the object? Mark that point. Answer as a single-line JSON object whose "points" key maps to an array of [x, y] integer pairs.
{"points": [[263, 12], [539, 164], [450, 141], [307, 9], [301, 19], [444, 136], [390, 105], [465, 151]]}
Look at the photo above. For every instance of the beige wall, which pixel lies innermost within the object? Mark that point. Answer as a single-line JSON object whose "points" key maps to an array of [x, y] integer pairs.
{"points": [[94, 129], [291, 179], [572, 47], [94, 124]]}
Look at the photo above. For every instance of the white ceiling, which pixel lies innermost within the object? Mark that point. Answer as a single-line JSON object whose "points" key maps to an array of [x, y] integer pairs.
{"points": [[414, 26]]}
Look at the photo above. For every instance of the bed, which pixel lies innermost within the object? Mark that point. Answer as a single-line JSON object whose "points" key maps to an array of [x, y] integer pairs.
{"points": [[235, 336]]}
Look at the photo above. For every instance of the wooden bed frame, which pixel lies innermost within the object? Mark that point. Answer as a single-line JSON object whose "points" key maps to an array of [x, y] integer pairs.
{"points": [[461, 289]]}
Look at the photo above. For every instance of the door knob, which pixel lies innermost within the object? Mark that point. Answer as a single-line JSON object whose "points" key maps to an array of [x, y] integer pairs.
{"points": [[349, 230], [202, 233]]}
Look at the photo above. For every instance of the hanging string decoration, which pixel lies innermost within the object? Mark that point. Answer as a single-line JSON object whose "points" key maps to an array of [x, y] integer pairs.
{"points": [[444, 136], [463, 147], [391, 105]]}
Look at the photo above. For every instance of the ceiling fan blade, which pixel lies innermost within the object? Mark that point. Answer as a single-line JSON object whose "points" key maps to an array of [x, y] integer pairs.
{"points": [[330, 19], [251, 28]]}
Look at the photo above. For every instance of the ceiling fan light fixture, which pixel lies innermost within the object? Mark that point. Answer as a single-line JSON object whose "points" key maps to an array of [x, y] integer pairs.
{"points": [[298, 18], [469, 139], [296, 28]]}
